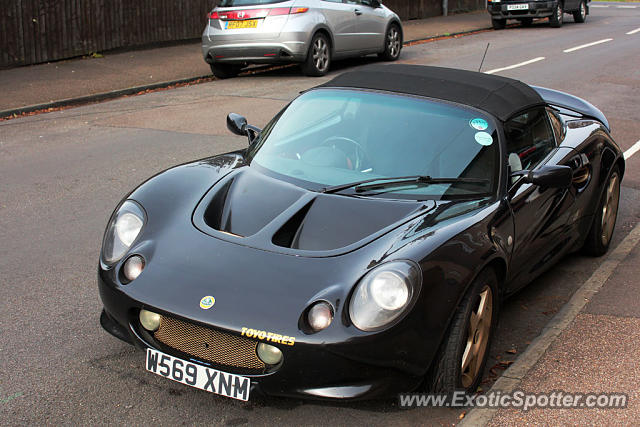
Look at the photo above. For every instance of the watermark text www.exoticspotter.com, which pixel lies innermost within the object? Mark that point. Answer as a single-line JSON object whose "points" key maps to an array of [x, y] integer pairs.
{"points": [[518, 399]]}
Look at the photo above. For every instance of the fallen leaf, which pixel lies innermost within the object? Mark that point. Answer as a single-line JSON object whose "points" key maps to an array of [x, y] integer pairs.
{"points": [[461, 416], [512, 351]]}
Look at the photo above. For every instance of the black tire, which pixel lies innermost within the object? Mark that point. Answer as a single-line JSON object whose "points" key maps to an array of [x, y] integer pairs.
{"points": [[526, 22], [392, 44], [580, 15], [604, 221], [498, 24], [446, 374], [318, 58], [225, 71], [557, 17]]}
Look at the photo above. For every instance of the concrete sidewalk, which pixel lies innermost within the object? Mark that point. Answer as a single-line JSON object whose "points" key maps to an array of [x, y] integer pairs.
{"points": [[70, 79]]}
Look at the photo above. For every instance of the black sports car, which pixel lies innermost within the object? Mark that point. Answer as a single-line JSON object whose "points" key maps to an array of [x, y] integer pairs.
{"points": [[361, 245]]}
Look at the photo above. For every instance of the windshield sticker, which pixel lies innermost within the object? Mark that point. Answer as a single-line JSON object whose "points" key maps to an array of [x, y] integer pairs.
{"points": [[483, 138], [479, 124]]}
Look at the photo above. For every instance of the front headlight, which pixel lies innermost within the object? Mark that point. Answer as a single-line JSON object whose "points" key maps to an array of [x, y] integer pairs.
{"points": [[384, 294], [122, 231]]}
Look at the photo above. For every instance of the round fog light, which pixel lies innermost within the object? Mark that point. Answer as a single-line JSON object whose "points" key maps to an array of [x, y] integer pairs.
{"points": [[320, 316], [150, 320], [269, 354], [133, 266]]}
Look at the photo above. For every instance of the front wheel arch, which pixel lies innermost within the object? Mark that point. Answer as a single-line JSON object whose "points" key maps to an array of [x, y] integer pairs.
{"points": [[444, 373]]}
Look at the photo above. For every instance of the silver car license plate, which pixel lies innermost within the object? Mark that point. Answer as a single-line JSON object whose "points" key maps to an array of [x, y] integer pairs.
{"points": [[198, 376]]}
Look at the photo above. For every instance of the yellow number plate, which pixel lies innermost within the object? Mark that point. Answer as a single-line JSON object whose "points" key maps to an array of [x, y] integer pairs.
{"points": [[249, 23]]}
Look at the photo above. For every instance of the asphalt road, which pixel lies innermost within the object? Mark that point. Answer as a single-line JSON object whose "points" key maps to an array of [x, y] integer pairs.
{"points": [[62, 173]]}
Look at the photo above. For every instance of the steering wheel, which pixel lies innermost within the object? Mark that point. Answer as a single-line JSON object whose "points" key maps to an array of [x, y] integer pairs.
{"points": [[360, 156]]}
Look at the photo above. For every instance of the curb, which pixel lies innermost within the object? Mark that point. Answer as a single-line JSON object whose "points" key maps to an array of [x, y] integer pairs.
{"points": [[512, 377], [448, 36], [103, 96]]}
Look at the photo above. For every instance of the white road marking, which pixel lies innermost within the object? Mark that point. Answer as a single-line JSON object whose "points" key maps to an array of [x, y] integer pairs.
{"points": [[631, 151], [586, 45], [626, 7], [599, 5], [510, 67], [637, 30]]}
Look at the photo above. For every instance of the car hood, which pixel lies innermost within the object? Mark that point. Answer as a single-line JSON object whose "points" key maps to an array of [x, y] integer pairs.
{"points": [[256, 281], [250, 208]]}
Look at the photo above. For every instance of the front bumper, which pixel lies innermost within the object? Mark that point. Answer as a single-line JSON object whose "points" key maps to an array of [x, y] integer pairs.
{"points": [[536, 9], [347, 371]]}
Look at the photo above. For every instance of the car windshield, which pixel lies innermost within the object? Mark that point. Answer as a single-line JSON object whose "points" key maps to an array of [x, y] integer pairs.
{"points": [[334, 137], [230, 3]]}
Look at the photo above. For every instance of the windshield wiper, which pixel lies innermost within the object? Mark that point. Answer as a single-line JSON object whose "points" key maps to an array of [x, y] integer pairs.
{"points": [[362, 186]]}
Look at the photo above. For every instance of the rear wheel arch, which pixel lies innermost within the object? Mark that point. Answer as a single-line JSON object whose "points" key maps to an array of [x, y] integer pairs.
{"points": [[327, 33], [621, 165], [399, 25]]}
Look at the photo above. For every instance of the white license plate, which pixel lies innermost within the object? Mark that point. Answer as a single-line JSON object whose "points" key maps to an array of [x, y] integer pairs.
{"points": [[198, 376], [517, 6]]}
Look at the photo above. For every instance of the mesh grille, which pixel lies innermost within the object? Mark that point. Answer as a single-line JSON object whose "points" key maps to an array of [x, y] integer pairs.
{"points": [[209, 345]]}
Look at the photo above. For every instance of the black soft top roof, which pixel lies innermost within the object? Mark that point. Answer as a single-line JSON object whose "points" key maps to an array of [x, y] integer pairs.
{"points": [[500, 96]]}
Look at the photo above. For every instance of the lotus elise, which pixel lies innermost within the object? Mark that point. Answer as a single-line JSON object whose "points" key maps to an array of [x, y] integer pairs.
{"points": [[362, 243]]}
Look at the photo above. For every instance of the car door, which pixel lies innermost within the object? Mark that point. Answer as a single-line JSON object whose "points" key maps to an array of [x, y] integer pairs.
{"points": [[544, 218], [371, 26], [341, 19]]}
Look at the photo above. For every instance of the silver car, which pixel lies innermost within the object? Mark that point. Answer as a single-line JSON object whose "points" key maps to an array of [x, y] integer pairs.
{"points": [[310, 32]]}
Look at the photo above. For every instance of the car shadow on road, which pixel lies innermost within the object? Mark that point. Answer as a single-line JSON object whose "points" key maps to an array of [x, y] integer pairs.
{"points": [[293, 70]]}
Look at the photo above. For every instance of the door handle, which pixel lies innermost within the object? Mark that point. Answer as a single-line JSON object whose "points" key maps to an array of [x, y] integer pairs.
{"points": [[358, 12]]}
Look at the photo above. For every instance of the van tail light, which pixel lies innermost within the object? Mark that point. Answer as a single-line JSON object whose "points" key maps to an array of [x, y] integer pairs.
{"points": [[214, 15]]}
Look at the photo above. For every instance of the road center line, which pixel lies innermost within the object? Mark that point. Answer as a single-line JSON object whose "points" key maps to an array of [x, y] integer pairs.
{"points": [[631, 151], [510, 67], [582, 46], [637, 30]]}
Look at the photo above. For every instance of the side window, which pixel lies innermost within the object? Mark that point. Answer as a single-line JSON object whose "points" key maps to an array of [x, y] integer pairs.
{"points": [[556, 124], [529, 139]]}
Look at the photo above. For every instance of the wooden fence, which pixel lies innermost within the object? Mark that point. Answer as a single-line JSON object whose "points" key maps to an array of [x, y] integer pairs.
{"points": [[37, 31]]}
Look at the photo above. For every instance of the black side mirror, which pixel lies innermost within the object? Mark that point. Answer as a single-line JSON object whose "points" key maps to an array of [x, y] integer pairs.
{"points": [[548, 176], [238, 125]]}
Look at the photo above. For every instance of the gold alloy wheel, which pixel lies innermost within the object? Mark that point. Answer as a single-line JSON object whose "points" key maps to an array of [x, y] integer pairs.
{"points": [[610, 209], [478, 336]]}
